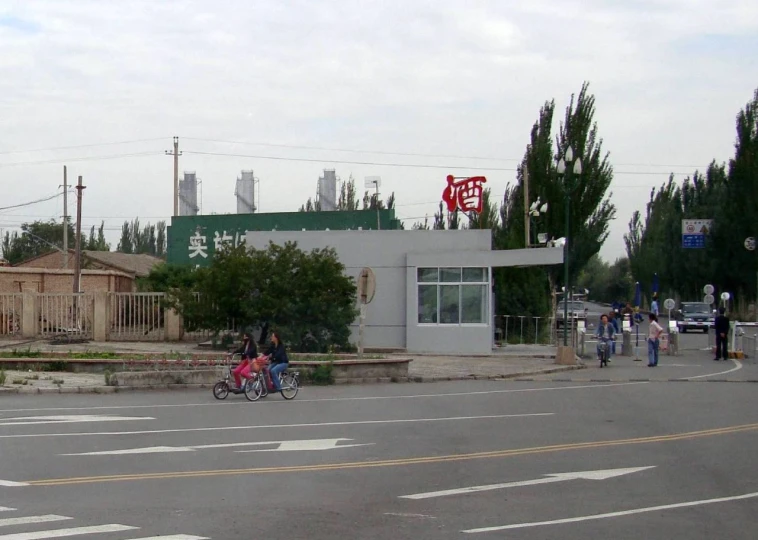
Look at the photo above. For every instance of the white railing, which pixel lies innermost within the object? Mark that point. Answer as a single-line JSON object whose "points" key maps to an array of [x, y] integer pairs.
{"points": [[136, 317], [11, 313], [65, 314]]}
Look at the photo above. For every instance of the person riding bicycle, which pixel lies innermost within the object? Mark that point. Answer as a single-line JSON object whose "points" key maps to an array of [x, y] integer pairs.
{"points": [[249, 353], [605, 332], [278, 358]]}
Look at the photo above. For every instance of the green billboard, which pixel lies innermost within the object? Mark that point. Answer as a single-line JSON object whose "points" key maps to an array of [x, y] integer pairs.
{"points": [[194, 239]]}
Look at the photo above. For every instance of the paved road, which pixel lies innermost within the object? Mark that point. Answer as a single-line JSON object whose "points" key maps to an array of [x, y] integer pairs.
{"points": [[633, 460]]}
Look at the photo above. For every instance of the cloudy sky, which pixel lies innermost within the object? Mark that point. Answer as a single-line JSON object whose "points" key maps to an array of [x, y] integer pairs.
{"points": [[454, 78]]}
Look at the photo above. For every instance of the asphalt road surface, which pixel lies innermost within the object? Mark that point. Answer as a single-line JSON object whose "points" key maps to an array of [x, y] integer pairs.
{"points": [[451, 460]]}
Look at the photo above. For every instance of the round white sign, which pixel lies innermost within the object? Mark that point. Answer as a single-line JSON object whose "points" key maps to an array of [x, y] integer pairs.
{"points": [[708, 289], [669, 303], [750, 243], [708, 299], [725, 296]]}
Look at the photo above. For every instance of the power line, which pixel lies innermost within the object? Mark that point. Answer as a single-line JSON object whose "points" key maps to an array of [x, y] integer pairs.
{"points": [[411, 154], [69, 159], [31, 202], [389, 164], [92, 145]]}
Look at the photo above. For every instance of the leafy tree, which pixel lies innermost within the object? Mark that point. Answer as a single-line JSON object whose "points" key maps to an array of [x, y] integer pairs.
{"points": [[36, 238], [96, 242], [306, 296], [150, 239]]}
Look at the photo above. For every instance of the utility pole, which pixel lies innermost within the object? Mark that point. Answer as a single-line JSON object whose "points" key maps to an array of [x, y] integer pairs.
{"points": [[526, 206], [65, 218], [176, 153], [78, 261]]}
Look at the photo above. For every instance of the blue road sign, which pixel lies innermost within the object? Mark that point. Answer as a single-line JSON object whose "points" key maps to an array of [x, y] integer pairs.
{"points": [[693, 241]]}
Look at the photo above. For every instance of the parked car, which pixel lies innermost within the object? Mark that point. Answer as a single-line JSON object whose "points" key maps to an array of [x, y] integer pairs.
{"points": [[694, 316]]}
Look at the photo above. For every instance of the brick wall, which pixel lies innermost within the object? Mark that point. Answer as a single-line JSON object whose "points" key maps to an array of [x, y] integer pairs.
{"points": [[18, 279]]}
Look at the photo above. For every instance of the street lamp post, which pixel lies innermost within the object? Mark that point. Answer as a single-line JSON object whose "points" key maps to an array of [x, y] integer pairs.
{"points": [[565, 172], [535, 210]]}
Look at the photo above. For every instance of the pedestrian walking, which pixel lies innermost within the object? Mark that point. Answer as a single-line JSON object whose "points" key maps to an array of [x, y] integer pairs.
{"points": [[654, 305], [722, 335], [653, 340]]}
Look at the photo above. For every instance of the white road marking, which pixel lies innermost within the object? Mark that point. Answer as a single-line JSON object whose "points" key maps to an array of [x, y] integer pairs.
{"points": [[6, 509], [737, 363], [396, 514], [551, 478], [174, 537], [611, 514], [9, 483], [315, 444], [49, 518], [312, 445], [69, 419], [59, 533], [361, 398], [276, 426]]}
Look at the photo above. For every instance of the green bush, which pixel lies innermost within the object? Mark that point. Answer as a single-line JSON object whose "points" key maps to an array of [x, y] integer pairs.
{"points": [[322, 375], [107, 375], [2, 377]]}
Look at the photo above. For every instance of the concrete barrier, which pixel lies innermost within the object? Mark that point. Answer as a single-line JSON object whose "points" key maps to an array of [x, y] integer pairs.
{"points": [[342, 371]]}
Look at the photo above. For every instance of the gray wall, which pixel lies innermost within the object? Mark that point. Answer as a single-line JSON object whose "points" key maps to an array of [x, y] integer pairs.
{"points": [[385, 252]]}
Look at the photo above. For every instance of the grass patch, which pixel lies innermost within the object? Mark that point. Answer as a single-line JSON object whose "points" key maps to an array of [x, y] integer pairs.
{"points": [[58, 382], [21, 353], [34, 377], [22, 382], [2, 377]]}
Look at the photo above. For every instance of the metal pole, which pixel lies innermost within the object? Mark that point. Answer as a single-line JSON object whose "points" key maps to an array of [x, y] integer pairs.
{"points": [[65, 217], [176, 176], [566, 258], [78, 261], [526, 207], [378, 221]]}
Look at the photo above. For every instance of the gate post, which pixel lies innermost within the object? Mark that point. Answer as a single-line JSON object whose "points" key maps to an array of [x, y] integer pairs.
{"points": [[29, 315], [100, 317]]}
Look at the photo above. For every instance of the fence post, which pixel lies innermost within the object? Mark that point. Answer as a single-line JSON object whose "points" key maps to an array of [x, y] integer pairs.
{"points": [[100, 317], [29, 315], [174, 325]]}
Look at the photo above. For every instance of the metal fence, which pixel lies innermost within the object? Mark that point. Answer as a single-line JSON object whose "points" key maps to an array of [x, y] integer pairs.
{"points": [[11, 313], [66, 314], [136, 317], [525, 330]]}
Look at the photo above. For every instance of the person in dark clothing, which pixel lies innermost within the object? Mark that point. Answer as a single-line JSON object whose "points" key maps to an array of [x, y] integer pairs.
{"points": [[279, 360], [722, 335]]}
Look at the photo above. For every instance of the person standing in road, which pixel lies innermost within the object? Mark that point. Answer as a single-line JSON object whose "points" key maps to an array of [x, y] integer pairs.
{"points": [[615, 323], [722, 335], [654, 305], [653, 341]]}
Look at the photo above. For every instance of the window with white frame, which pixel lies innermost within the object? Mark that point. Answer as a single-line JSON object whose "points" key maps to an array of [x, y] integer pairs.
{"points": [[453, 295]]}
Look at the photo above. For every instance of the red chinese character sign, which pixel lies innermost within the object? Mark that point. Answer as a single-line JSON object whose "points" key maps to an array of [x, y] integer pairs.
{"points": [[464, 194]]}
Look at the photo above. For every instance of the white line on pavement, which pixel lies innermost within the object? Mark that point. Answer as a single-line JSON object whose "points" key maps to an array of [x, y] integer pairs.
{"points": [[737, 363], [551, 478], [397, 514], [6, 509], [173, 537], [360, 398], [611, 514], [283, 446], [275, 426], [8, 483], [59, 533], [69, 419], [49, 518]]}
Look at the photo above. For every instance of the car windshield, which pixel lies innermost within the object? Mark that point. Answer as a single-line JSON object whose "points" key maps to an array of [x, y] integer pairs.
{"points": [[695, 308], [573, 306]]}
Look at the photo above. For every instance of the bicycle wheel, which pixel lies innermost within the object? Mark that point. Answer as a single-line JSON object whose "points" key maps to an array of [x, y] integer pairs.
{"points": [[221, 390], [253, 389], [289, 386]]}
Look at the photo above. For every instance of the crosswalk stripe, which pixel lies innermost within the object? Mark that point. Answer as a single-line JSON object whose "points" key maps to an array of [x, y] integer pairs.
{"points": [[9, 522], [174, 537], [59, 533]]}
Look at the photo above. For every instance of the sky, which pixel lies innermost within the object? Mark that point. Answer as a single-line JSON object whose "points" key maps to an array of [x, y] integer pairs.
{"points": [[102, 87]]}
